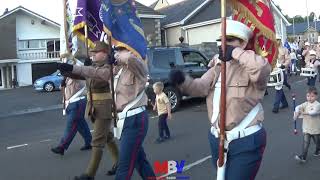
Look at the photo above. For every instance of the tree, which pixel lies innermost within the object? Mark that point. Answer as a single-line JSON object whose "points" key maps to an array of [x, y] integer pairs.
{"points": [[298, 19], [311, 16], [289, 18]]}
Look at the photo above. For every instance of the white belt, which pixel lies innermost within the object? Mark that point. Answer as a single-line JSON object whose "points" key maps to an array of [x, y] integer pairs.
{"points": [[232, 135], [131, 112], [75, 100]]}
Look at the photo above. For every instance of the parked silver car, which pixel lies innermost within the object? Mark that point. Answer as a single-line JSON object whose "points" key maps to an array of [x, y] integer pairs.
{"points": [[49, 83]]}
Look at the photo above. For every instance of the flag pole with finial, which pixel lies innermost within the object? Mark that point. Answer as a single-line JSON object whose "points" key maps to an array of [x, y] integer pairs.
{"points": [[222, 123]]}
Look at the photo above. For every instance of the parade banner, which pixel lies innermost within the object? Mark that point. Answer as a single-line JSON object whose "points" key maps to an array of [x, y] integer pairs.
{"points": [[257, 15], [87, 14], [68, 43], [287, 45], [122, 23]]}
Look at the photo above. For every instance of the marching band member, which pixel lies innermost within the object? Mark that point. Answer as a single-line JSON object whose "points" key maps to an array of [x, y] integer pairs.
{"points": [[313, 64], [282, 63], [75, 112], [318, 55], [247, 76], [131, 101], [98, 107], [305, 53]]}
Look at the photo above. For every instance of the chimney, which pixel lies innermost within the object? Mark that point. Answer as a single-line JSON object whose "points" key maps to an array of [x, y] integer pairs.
{"points": [[6, 11]]}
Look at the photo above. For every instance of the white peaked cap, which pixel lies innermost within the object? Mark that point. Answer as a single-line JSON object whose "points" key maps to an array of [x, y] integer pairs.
{"points": [[307, 44], [238, 30], [312, 52]]}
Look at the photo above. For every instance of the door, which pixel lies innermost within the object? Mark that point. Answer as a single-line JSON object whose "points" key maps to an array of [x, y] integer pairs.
{"points": [[195, 64]]}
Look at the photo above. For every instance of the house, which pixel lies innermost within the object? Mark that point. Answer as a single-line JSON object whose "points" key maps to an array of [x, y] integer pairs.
{"points": [[151, 23], [199, 21], [30, 45], [300, 32], [159, 4]]}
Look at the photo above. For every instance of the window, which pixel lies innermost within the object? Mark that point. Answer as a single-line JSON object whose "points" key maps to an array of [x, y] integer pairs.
{"points": [[53, 45], [43, 43], [32, 44], [163, 58], [23, 44], [193, 59]]}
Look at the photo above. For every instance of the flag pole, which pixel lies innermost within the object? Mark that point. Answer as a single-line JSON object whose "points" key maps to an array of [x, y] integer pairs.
{"points": [[222, 123], [68, 51], [113, 107], [86, 39]]}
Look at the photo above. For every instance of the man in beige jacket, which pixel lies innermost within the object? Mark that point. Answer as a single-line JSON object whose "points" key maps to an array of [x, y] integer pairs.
{"points": [[247, 77], [98, 107]]}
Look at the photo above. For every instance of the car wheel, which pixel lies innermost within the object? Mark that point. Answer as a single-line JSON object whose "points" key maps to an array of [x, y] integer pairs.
{"points": [[174, 97], [48, 87]]}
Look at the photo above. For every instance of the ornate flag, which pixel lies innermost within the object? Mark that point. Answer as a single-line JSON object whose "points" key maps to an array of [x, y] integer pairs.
{"points": [[122, 23], [87, 14], [287, 45], [67, 41], [257, 15]]}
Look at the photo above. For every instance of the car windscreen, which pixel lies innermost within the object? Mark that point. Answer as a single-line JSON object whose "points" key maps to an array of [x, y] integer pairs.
{"points": [[163, 58]]}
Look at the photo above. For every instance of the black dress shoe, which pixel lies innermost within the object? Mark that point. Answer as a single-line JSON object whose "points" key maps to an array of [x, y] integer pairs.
{"points": [[86, 147], [275, 110], [58, 150], [83, 177], [112, 171]]}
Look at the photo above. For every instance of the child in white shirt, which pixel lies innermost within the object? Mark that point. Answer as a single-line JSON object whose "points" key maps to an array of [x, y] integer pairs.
{"points": [[310, 112]]}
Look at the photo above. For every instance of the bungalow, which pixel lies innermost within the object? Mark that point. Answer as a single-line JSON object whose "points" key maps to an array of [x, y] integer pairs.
{"points": [[198, 21]]}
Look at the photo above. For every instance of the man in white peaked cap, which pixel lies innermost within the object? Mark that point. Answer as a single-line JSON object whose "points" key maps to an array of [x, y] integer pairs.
{"points": [[246, 79]]}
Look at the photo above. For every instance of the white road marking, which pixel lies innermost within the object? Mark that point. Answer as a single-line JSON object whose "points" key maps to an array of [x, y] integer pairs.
{"points": [[17, 146], [187, 167], [47, 140]]}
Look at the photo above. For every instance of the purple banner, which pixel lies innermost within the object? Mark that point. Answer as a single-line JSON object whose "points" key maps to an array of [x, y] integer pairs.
{"points": [[87, 14]]}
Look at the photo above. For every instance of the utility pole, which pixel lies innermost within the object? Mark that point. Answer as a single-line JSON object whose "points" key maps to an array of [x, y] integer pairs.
{"points": [[308, 21], [293, 30]]}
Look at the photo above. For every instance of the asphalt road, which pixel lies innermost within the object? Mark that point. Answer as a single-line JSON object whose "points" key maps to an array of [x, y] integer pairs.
{"points": [[26, 139]]}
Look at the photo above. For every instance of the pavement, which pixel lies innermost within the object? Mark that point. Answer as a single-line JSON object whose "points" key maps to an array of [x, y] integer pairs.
{"points": [[32, 122]]}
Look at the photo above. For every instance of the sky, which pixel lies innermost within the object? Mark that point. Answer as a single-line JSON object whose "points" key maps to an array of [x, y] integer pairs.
{"points": [[52, 9]]}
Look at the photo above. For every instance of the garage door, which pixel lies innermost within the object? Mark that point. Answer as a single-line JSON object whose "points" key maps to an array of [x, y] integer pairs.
{"points": [[42, 69]]}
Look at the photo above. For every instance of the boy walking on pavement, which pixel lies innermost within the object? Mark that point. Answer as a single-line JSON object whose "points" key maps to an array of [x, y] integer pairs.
{"points": [[163, 107], [310, 112]]}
